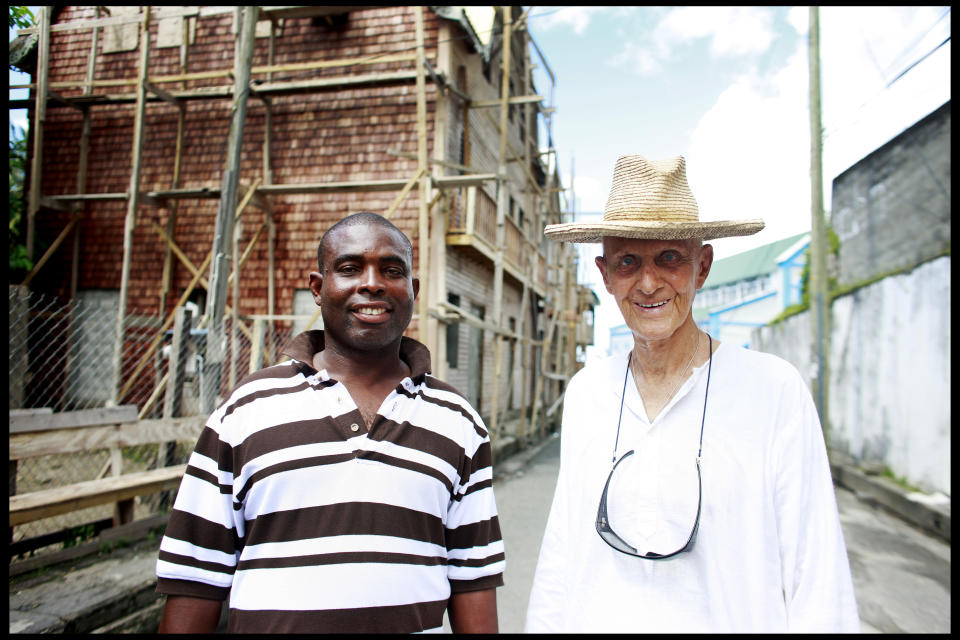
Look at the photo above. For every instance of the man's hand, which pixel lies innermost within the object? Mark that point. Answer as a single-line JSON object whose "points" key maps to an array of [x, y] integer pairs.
{"points": [[473, 611], [183, 614]]}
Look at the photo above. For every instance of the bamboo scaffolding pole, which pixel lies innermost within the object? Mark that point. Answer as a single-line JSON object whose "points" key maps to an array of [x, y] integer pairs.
{"points": [[426, 328], [502, 195], [538, 390], [84, 153], [133, 199], [168, 264], [268, 337]]}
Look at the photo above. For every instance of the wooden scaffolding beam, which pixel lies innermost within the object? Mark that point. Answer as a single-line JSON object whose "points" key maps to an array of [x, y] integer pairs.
{"points": [[133, 199]]}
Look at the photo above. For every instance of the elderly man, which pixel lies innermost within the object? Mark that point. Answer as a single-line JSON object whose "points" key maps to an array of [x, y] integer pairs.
{"points": [[694, 492], [346, 489]]}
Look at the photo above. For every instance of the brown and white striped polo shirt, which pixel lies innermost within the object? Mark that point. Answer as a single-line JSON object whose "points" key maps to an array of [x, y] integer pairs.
{"points": [[312, 523]]}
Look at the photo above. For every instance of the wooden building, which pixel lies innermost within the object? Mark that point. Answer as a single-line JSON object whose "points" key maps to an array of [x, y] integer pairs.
{"points": [[166, 140]]}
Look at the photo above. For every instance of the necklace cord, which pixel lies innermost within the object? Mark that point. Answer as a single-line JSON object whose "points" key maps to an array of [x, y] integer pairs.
{"points": [[622, 398], [706, 394]]}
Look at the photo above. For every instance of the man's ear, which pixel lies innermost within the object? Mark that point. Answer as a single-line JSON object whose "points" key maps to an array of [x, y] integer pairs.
{"points": [[601, 263], [416, 287], [705, 261], [316, 285]]}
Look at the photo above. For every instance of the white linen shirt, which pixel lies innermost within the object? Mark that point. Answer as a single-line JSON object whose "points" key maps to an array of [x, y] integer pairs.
{"points": [[769, 555]]}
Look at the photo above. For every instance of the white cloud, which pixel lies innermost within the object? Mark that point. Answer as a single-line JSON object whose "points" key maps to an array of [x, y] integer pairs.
{"points": [[731, 31], [577, 18], [750, 155]]}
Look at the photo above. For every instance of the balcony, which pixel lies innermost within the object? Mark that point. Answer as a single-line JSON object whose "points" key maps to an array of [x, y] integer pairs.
{"points": [[473, 225]]}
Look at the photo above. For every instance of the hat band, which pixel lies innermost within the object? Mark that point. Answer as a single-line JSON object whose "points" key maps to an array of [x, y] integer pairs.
{"points": [[658, 214]]}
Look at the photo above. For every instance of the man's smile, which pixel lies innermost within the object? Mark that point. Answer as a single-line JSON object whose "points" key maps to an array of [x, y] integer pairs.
{"points": [[371, 312], [652, 305]]}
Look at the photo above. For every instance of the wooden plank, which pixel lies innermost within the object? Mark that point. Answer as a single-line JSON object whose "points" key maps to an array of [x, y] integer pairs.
{"points": [[40, 411], [26, 423], [51, 502], [480, 104], [276, 88], [43, 443]]}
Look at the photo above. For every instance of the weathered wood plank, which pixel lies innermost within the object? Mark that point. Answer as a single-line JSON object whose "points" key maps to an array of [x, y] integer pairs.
{"points": [[29, 445], [50, 502], [25, 423]]}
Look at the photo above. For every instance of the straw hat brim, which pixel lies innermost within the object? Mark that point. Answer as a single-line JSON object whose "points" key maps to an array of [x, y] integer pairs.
{"points": [[651, 230]]}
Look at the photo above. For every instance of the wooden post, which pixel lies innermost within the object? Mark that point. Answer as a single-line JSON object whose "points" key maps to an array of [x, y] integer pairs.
{"points": [[426, 327], [169, 265], [234, 312], [502, 203], [256, 352], [177, 362], [84, 152], [223, 232], [133, 197], [271, 227], [819, 288], [172, 400], [40, 116]]}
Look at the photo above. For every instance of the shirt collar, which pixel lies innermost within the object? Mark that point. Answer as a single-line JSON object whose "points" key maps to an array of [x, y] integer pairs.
{"points": [[304, 346]]}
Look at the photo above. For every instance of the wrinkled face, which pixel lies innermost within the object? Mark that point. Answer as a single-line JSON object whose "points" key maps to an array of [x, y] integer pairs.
{"points": [[366, 290], [654, 281]]}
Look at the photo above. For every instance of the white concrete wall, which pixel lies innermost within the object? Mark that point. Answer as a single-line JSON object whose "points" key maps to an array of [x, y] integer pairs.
{"points": [[890, 383]]}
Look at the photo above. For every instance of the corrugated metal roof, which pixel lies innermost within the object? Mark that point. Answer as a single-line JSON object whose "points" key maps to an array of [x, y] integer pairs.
{"points": [[749, 264]]}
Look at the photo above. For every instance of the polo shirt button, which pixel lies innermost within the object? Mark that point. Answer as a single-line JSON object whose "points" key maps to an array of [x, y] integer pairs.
{"points": [[354, 427]]}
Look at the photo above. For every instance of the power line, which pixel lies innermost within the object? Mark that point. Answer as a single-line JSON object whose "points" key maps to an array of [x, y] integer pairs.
{"points": [[922, 58]]}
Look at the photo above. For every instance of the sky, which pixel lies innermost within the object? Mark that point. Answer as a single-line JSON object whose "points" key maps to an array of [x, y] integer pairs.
{"points": [[728, 89]]}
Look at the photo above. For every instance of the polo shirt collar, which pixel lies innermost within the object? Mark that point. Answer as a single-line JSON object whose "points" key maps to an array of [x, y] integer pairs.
{"points": [[304, 346]]}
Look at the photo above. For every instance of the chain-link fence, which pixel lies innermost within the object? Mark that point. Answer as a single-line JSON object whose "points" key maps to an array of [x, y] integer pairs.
{"points": [[62, 359]]}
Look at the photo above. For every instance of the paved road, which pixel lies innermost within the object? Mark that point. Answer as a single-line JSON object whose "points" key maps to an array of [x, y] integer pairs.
{"points": [[901, 575]]}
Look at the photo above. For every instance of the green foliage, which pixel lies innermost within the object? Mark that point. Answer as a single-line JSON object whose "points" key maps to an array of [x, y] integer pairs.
{"points": [[834, 242], [21, 17], [19, 263], [109, 546], [899, 480], [79, 535]]}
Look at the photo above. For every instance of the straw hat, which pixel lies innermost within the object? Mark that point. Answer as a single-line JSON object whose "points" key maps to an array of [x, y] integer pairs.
{"points": [[651, 200]]}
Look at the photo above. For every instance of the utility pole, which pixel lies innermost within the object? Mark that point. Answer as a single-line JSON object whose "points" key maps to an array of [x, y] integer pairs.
{"points": [[818, 287]]}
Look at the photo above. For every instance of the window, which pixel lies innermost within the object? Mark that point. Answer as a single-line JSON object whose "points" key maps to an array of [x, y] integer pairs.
{"points": [[453, 336]]}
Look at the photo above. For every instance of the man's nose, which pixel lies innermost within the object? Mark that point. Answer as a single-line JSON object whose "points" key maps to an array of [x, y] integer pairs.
{"points": [[648, 278], [372, 280]]}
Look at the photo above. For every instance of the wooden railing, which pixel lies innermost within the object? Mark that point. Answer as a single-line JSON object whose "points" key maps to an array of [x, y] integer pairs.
{"points": [[473, 216], [81, 431]]}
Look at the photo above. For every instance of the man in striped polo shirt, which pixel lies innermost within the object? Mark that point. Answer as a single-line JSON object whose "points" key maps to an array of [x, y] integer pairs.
{"points": [[346, 489]]}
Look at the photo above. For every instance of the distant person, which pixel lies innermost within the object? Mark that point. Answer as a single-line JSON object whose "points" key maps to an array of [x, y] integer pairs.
{"points": [[694, 492], [346, 489]]}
